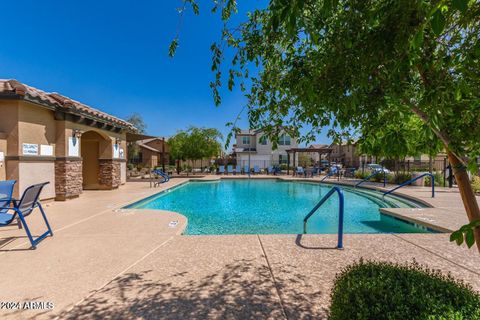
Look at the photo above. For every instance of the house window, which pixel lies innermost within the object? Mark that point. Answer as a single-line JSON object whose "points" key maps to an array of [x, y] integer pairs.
{"points": [[284, 140], [246, 140], [282, 159], [263, 140]]}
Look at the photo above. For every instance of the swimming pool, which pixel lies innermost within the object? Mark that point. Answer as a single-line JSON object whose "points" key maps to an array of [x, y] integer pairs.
{"points": [[275, 207]]}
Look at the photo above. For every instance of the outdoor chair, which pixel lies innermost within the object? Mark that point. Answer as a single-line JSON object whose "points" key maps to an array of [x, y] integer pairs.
{"points": [[221, 169], [6, 191], [238, 169], [229, 169], [246, 169], [300, 171], [270, 170], [256, 169], [23, 208]]}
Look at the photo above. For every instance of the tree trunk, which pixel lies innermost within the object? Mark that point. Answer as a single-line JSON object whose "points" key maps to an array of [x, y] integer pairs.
{"points": [[178, 167], [468, 196]]}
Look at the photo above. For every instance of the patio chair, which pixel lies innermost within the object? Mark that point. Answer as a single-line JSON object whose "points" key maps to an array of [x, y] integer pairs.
{"points": [[256, 169], [300, 171], [238, 169], [221, 169], [229, 169], [270, 170], [23, 208], [6, 191], [246, 169]]}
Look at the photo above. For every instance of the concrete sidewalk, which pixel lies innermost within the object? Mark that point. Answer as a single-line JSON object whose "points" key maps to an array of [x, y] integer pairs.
{"points": [[103, 262]]}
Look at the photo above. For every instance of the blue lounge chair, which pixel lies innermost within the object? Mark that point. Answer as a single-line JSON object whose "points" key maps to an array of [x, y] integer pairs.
{"points": [[24, 207], [6, 191], [256, 169], [270, 170], [221, 169], [246, 169], [300, 171], [238, 169], [229, 169]]}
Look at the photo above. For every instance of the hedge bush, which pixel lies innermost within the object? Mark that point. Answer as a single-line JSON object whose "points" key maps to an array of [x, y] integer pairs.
{"points": [[476, 184], [438, 179], [379, 290]]}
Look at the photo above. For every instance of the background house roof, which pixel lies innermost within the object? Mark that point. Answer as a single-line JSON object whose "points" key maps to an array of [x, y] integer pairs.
{"points": [[143, 144], [15, 89], [318, 146]]}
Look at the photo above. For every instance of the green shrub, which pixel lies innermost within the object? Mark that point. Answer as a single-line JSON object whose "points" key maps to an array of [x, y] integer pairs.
{"points": [[285, 166], [402, 177], [379, 290], [361, 175], [438, 179], [476, 184]]}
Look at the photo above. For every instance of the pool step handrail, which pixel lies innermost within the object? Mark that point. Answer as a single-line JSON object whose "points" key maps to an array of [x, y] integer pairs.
{"points": [[372, 175], [331, 173], [432, 177], [341, 206], [326, 176], [162, 174]]}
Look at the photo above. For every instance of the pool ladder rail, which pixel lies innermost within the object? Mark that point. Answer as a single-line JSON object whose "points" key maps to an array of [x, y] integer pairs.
{"points": [[432, 180], [373, 175], [341, 206]]}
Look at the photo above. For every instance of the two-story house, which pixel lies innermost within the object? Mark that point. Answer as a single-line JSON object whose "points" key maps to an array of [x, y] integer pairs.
{"points": [[253, 147]]}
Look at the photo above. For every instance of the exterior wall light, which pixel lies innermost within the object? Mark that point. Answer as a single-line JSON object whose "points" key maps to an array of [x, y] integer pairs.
{"points": [[76, 133]]}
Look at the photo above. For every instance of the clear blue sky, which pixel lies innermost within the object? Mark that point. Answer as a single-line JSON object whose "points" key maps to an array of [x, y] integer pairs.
{"points": [[112, 55]]}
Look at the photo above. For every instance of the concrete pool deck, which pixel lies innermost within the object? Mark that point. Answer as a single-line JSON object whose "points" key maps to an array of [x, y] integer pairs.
{"points": [[107, 262]]}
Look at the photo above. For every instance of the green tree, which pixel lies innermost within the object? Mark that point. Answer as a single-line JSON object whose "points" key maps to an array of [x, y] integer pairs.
{"points": [[398, 138], [341, 62], [195, 144], [177, 147], [137, 120]]}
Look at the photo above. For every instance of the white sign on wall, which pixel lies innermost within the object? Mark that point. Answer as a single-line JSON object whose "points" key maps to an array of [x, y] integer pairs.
{"points": [[73, 146], [116, 151], [46, 150], [2, 157], [30, 149]]}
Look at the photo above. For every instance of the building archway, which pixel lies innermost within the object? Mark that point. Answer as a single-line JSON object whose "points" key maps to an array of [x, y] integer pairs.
{"points": [[93, 147]]}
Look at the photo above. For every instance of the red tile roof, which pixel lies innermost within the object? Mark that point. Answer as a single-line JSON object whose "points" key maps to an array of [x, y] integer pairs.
{"points": [[55, 100]]}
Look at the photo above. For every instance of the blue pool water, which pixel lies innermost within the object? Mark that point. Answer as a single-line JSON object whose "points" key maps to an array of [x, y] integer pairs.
{"points": [[273, 207]]}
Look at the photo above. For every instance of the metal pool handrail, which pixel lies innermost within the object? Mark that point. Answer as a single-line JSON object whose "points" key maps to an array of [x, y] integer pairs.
{"points": [[326, 176], [415, 179], [331, 173], [374, 174], [340, 213]]}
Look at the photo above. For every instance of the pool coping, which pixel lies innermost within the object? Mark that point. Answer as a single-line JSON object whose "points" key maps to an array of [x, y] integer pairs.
{"points": [[404, 214]]}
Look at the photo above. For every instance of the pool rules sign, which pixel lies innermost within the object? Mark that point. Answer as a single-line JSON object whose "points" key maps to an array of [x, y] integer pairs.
{"points": [[30, 149]]}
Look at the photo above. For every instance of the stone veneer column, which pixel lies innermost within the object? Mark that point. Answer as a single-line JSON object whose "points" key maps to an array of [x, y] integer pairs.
{"points": [[68, 178], [109, 173]]}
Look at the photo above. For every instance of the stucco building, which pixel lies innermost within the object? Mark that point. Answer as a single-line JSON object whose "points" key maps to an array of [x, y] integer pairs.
{"points": [[345, 154], [152, 152], [49, 137], [253, 147]]}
